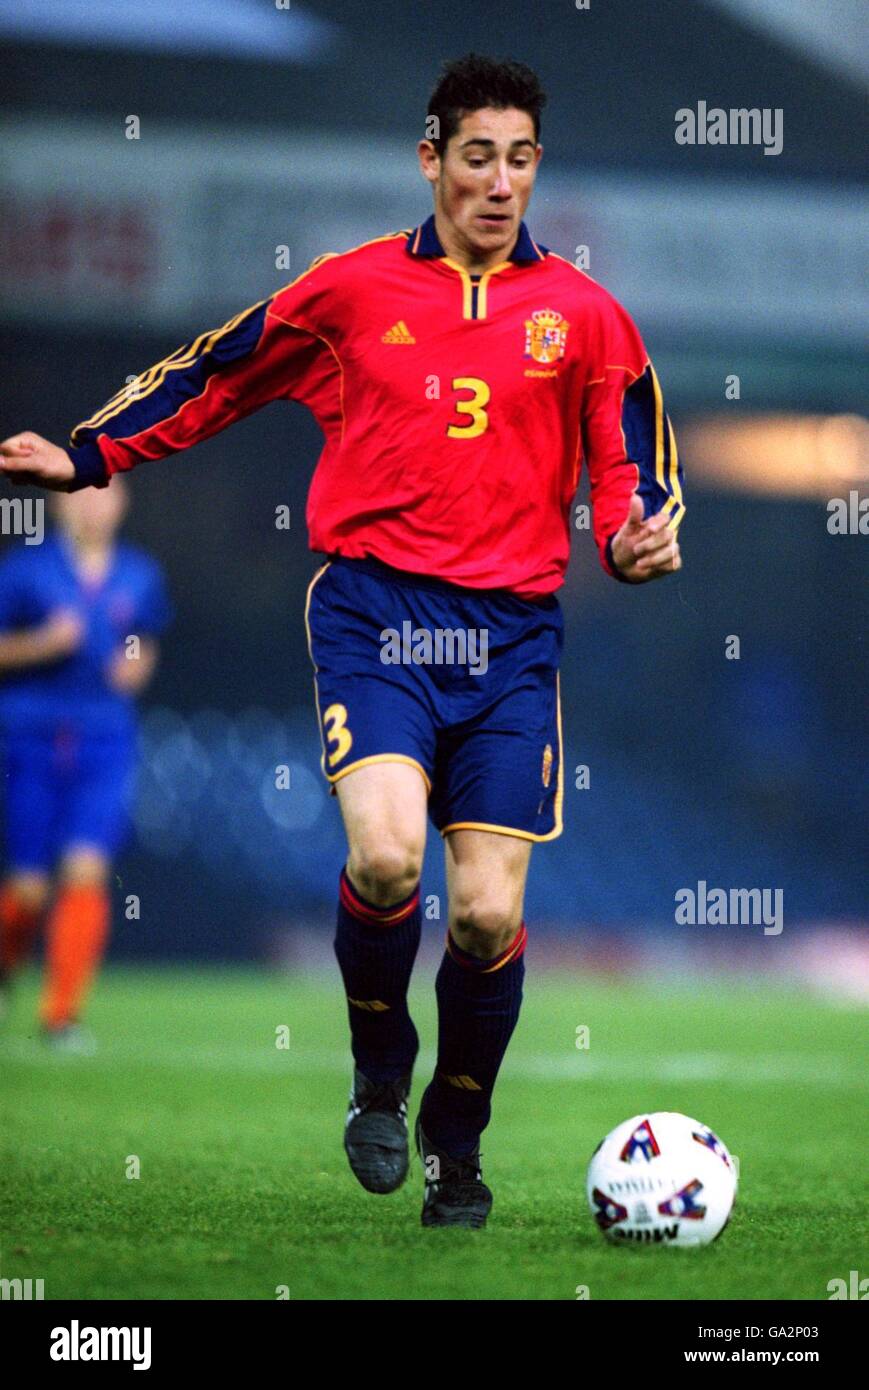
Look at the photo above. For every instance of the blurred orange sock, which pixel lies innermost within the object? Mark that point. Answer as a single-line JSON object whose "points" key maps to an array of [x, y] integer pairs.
{"points": [[18, 924], [78, 928]]}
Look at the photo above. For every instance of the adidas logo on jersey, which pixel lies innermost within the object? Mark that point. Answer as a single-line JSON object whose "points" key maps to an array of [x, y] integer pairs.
{"points": [[398, 333]]}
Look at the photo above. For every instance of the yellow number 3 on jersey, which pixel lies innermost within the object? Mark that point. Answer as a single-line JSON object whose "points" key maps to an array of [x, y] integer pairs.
{"points": [[334, 721], [475, 407]]}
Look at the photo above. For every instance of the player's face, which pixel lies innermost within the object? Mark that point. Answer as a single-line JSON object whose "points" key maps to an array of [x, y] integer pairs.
{"points": [[93, 515], [483, 182]]}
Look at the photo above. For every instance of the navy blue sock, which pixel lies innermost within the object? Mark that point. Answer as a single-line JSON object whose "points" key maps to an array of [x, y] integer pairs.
{"points": [[376, 948], [478, 1005]]}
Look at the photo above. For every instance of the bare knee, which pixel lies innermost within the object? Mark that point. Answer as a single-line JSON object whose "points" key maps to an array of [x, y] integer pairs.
{"points": [[30, 889], [386, 872], [84, 868], [484, 924]]}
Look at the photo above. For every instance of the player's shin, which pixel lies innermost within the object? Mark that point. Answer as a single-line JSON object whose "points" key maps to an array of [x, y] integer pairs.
{"points": [[478, 1007], [78, 929], [376, 948], [19, 920]]}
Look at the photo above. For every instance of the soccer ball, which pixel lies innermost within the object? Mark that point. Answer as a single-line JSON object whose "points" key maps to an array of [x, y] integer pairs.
{"points": [[661, 1179]]}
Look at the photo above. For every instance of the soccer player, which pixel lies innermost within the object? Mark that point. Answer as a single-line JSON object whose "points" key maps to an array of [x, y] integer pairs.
{"points": [[79, 618], [460, 373]]}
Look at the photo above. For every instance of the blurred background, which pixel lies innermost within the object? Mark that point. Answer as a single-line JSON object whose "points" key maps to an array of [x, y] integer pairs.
{"points": [[269, 134]]}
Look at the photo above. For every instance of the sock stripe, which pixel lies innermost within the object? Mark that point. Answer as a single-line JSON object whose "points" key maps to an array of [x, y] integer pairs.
{"points": [[382, 916], [513, 952]]}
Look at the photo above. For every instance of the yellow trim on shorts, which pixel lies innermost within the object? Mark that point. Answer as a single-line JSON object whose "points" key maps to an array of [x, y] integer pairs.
{"points": [[320, 572], [360, 762], [502, 830], [381, 758]]}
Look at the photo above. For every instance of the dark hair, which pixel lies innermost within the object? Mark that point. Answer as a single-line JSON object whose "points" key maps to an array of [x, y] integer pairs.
{"points": [[470, 83]]}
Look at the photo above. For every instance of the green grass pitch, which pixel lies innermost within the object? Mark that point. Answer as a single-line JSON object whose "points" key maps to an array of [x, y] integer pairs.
{"points": [[244, 1188]]}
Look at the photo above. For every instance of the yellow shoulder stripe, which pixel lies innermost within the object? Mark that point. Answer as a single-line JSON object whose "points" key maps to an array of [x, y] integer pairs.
{"points": [[149, 380]]}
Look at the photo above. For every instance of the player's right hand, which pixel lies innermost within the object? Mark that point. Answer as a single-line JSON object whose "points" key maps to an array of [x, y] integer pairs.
{"points": [[60, 635], [28, 458]]}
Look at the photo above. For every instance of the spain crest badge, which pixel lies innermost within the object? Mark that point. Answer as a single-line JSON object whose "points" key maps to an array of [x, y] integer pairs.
{"points": [[545, 336], [546, 772]]}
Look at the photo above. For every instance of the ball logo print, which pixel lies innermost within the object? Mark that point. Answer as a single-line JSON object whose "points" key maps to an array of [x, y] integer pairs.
{"points": [[685, 1203], [714, 1143], [607, 1212], [642, 1141], [661, 1179]]}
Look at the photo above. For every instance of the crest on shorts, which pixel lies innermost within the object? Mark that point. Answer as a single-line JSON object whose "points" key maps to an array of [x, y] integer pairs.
{"points": [[545, 336], [547, 764]]}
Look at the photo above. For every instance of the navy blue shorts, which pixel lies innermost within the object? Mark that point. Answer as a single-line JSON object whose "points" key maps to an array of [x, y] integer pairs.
{"points": [[65, 787], [460, 683]]}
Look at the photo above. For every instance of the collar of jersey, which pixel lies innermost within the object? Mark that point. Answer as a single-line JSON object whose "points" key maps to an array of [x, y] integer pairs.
{"points": [[424, 241]]}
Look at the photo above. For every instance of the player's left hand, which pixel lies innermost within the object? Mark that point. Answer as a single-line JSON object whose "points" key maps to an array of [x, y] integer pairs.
{"points": [[645, 549]]}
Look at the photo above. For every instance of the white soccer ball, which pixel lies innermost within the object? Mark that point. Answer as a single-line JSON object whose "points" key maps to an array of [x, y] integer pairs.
{"points": [[661, 1179]]}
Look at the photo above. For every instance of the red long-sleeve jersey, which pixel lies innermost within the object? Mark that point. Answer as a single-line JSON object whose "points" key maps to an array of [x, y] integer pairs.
{"points": [[456, 409]]}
